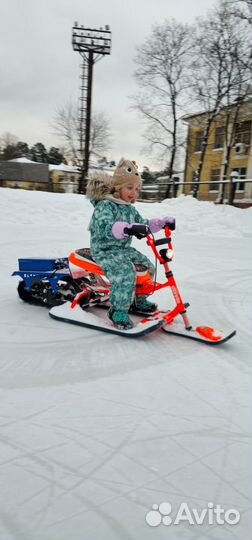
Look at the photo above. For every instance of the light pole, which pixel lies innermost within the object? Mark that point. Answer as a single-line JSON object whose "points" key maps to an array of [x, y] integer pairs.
{"points": [[92, 44]]}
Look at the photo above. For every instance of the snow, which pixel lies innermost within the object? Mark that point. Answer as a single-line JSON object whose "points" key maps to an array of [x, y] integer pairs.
{"points": [[94, 169], [22, 160], [64, 168], [96, 429]]}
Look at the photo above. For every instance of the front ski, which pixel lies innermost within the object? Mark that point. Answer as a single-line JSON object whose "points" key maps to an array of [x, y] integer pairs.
{"points": [[205, 334], [87, 319]]}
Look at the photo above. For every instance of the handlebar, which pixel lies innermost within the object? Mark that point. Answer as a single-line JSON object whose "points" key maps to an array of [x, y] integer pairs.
{"points": [[141, 231], [138, 230]]}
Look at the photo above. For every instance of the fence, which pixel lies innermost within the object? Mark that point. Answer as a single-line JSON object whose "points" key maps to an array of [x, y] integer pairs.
{"points": [[173, 188], [154, 192], [54, 187]]}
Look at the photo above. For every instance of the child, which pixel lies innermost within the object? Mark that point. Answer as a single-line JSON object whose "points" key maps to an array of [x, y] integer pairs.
{"points": [[113, 200]]}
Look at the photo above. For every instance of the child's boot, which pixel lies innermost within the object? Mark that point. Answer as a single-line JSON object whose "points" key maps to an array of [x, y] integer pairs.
{"points": [[142, 305], [120, 319]]}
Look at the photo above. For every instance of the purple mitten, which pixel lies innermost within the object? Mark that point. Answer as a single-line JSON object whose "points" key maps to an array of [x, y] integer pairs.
{"points": [[118, 229], [157, 224], [170, 221]]}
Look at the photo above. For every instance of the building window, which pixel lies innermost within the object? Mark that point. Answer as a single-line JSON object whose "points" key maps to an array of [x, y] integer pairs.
{"points": [[219, 137], [199, 140], [215, 176], [242, 171], [243, 133]]}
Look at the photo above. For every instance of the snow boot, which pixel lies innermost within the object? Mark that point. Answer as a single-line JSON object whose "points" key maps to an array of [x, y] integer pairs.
{"points": [[120, 319], [142, 305]]}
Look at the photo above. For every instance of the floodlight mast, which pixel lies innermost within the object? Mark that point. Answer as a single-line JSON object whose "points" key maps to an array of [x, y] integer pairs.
{"points": [[92, 45]]}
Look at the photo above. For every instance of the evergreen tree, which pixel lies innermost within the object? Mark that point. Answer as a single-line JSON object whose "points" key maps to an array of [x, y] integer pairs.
{"points": [[22, 150], [14, 149], [39, 153], [55, 157], [9, 152]]}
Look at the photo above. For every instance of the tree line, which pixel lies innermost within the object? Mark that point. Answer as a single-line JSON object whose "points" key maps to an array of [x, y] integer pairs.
{"points": [[66, 126], [12, 148]]}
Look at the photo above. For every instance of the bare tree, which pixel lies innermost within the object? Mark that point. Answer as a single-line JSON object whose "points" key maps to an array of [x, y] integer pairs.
{"points": [[101, 135], [241, 9], [222, 70], [7, 139], [66, 125], [162, 76]]}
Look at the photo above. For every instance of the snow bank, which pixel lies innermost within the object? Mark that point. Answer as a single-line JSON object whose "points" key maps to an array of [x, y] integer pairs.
{"points": [[193, 216]]}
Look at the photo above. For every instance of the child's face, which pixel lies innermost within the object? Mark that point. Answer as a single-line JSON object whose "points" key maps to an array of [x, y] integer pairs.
{"points": [[129, 193]]}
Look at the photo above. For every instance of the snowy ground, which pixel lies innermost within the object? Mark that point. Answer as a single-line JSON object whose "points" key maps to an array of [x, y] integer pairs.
{"points": [[95, 429]]}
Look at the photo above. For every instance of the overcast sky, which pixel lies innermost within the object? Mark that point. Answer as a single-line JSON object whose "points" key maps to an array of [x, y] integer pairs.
{"points": [[39, 71]]}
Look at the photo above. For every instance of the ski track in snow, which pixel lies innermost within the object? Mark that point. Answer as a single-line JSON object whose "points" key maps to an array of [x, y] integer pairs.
{"points": [[95, 429]]}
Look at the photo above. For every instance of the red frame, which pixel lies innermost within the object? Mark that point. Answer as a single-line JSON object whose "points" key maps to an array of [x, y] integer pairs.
{"points": [[180, 307]]}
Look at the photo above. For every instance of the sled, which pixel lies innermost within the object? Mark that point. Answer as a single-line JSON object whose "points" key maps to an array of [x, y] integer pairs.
{"points": [[73, 286]]}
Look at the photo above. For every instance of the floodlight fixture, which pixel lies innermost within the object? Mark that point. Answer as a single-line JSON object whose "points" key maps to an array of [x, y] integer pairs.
{"points": [[97, 41]]}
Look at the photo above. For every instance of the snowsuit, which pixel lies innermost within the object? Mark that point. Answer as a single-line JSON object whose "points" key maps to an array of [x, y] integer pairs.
{"points": [[116, 257]]}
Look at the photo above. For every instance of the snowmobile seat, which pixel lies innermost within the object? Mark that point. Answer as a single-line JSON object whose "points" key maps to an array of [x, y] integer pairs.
{"points": [[83, 255]]}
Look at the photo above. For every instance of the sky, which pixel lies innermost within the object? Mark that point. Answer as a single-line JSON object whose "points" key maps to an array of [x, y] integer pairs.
{"points": [[39, 71]]}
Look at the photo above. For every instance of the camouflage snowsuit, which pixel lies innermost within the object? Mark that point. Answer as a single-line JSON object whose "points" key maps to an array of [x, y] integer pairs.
{"points": [[116, 256]]}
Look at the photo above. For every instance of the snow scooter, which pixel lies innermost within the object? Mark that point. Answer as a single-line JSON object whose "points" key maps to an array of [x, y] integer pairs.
{"points": [[72, 285]]}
